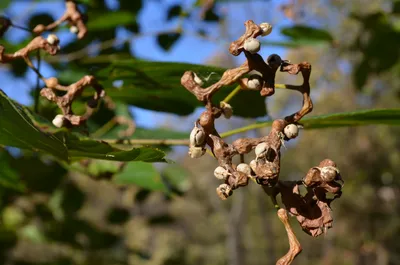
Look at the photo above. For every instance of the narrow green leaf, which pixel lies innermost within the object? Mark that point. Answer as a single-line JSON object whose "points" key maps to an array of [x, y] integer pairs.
{"points": [[140, 174], [18, 130], [303, 32], [108, 20]]}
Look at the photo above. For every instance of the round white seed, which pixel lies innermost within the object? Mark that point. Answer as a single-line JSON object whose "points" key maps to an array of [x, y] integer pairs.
{"points": [[221, 173], [261, 150], [74, 29], [266, 29], [52, 39], [244, 168], [254, 82], [58, 121], [196, 152], [197, 136], [291, 131], [252, 45]]}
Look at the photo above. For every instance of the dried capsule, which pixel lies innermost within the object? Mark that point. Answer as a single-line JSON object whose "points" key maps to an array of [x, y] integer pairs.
{"points": [[221, 173], [196, 152], [252, 45], [261, 150], [51, 82], [197, 136], [226, 109], [266, 29], [58, 121], [74, 29], [291, 131], [329, 173], [198, 80], [224, 191], [254, 82], [52, 39], [244, 168]]}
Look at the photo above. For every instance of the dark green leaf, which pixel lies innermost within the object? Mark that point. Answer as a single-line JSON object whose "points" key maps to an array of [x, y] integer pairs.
{"points": [[174, 11], [156, 86], [18, 130], [302, 32], [140, 174], [109, 20], [167, 40], [41, 18], [8, 175], [211, 16], [177, 178]]}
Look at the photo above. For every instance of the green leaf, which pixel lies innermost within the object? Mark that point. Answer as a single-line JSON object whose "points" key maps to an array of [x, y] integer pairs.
{"points": [[156, 86], [355, 118], [88, 148], [109, 20], [140, 174], [18, 130], [303, 32], [177, 178], [25, 130], [9, 177], [344, 119], [167, 40]]}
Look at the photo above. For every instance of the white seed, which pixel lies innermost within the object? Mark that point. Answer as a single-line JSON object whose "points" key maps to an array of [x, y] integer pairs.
{"points": [[74, 29], [197, 136], [252, 45], [226, 109], [291, 131], [266, 28], [198, 80], [244, 168], [329, 173], [196, 152], [52, 39], [254, 82], [221, 173], [58, 121], [261, 150], [253, 165]]}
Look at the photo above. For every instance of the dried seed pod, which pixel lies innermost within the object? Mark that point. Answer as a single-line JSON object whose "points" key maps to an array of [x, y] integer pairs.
{"points": [[39, 28], [252, 45], [197, 136], [261, 150], [255, 82], [224, 191], [266, 29], [198, 80], [58, 121], [291, 131], [51, 82], [74, 29], [221, 173], [52, 39], [196, 152], [244, 168], [329, 173], [226, 109]]}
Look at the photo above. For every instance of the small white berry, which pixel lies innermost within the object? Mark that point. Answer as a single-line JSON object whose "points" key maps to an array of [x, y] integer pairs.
{"points": [[252, 45], [197, 136], [52, 39], [224, 191], [74, 29], [196, 152], [261, 150], [198, 80], [58, 121], [244, 168], [266, 29], [254, 82], [291, 131], [221, 173], [226, 109]]}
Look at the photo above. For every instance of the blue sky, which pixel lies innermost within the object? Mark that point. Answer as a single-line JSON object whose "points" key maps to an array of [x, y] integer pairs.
{"points": [[189, 48]]}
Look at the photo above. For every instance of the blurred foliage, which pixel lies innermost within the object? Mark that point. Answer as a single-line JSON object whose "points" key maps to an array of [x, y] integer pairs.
{"points": [[66, 198]]}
